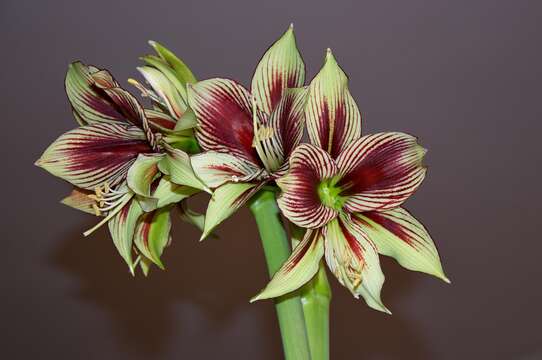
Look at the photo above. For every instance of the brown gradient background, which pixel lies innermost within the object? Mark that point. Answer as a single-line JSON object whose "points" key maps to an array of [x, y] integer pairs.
{"points": [[464, 76]]}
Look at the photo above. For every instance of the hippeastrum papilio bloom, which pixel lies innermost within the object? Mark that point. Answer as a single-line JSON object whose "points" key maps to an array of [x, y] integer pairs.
{"points": [[248, 136], [347, 191], [122, 164]]}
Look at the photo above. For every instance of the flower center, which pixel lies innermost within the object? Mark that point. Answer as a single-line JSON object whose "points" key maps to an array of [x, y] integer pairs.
{"points": [[330, 194]]}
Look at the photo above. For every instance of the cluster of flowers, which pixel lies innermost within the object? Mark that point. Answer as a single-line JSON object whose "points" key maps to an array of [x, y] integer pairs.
{"points": [[131, 165]]}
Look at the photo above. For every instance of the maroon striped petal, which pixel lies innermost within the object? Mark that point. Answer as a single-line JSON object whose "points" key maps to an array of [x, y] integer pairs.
{"points": [[333, 118], [96, 154], [160, 121], [353, 259], [152, 234], [223, 111], [300, 267], [280, 68], [82, 200], [299, 201], [96, 96], [380, 171]]}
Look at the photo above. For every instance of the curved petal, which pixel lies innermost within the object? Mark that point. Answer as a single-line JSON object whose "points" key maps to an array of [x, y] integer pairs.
{"points": [[216, 169], [152, 234], [177, 165], [225, 201], [142, 173], [333, 118], [353, 258], [160, 121], [163, 87], [168, 193], [299, 200], [380, 171], [281, 67], [122, 227], [182, 71], [224, 115], [300, 267], [276, 139], [87, 101], [398, 234], [95, 154]]}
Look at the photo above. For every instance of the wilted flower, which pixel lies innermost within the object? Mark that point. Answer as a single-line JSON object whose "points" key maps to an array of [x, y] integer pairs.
{"points": [[124, 162], [347, 191], [248, 136]]}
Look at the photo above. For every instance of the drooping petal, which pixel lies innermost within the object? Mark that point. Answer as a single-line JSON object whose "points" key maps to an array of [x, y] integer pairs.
{"points": [[300, 267], [177, 165], [225, 201], [281, 67], [380, 171], [333, 118], [299, 200], [87, 100], [168, 193], [79, 199], [152, 234], [276, 138], [215, 169], [95, 154], [142, 173], [182, 71], [122, 227], [353, 258], [164, 88], [224, 114], [398, 234]]}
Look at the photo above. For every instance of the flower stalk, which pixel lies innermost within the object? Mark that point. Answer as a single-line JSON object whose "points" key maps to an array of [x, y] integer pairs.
{"points": [[277, 250]]}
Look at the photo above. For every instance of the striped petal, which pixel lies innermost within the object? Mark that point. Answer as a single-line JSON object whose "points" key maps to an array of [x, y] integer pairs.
{"points": [[225, 201], [398, 234], [333, 118], [380, 171], [87, 100], [216, 169], [276, 139], [79, 199], [299, 200], [224, 115], [160, 121], [281, 67], [300, 267], [353, 258], [122, 227], [165, 89], [177, 165], [143, 172], [152, 234], [95, 154]]}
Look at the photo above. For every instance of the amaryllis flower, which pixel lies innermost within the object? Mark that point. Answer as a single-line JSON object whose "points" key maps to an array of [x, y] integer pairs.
{"points": [[248, 136], [346, 190], [121, 162]]}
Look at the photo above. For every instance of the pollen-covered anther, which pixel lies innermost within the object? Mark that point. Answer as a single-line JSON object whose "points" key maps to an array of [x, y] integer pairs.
{"points": [[105, 198]]}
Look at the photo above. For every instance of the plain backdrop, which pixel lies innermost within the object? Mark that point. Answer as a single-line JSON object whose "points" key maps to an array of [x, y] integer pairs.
{"points": [[464, 76]]}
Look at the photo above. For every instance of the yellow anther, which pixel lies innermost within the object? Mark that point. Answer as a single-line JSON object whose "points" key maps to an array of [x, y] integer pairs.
{"points": [[97, 211]]}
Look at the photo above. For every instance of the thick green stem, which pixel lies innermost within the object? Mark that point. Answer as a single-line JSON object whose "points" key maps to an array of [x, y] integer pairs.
{"points": [[315, 298], [277, 249]]}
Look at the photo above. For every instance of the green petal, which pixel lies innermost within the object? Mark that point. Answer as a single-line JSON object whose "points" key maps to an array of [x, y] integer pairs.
{"points": [[177, 165], [122, 227], [183, 72], [143, 172], [300, 267], [332, 116], [168, 72], [281, 67], [190, 216], [165, 89], [168, 193], [225, 201], [398, 234], [353, 259], [152, 234]]}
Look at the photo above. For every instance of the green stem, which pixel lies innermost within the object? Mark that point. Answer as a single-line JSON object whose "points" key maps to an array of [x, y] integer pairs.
{"points": [[315, 297], [277, 249]]}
